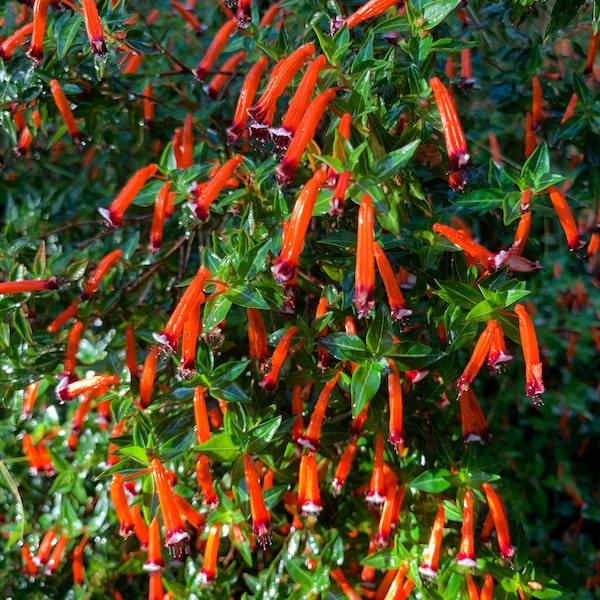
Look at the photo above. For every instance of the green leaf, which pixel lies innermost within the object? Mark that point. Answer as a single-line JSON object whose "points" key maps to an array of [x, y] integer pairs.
{"points": [[215, 311], [484, 311], [298, 572], [248, 297], [391, 163], [433, 482], [220, 447], [366, 380], [436, 11], [596, 16], [461, 294], [562, 13], [135, 452], [267, 430], [384, 559], [65, 30], [344, 346], [380, 337], [537, 164], [412, 355]]}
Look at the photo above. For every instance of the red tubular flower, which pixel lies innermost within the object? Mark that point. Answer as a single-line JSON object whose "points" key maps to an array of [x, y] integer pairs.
{"points": [[530, 141], [534, 385], [69, 312], [323, 355], [13, 41], [148, 104], [56, 555], [119, 500], [257, 338], [206, 193], [78, 573], [40, 14], [140, 529], [364, 278], [216, 47], [497, 355], [189, 340], [343, 468], [591, 53], [338, 576], [147, 378], [306, 131], [189, 17], [487, 590], [269, 381], [474, 424], [205, 482], [227, 70], [283, 73], [339, 150], [156, 590], [298, 104], [472, 588], [431, 555], [65, 110], [470, 246], [243, 14], [32, 454], [309, 495], [46, 464], [395, 435], [187, 143], [389, 514], [310, 439], [466, 553], [376, 492], [466, 69], [536, 103], [336, 203], [396, 589], [300, 394], [43, 553], [94, 30], [158, 220], [368, 10], [175, 535], [495, 149], [246, 98], [66, 391], [211, 554], [29, 399], [201, 415], [570, 109], [112, 454], [395, 297], [480, 352], [285, 265], [130, 352], [261, 518], [154, 562], [498, 513], [174, 327], [522, 232], [269, 15], [32, 568], [28, 285], [114, 213], [565, 216], [456, 144], [71, 351], [190, 514], [26, 136], [93, 281], [78, 420]]}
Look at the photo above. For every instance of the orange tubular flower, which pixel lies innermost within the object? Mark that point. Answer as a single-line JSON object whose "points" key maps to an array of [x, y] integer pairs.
{"points": [[158, 220], [285, 265], [474, 424], [343, 468], [269, 381], [472, 588], [29, 399], [591, 53], [395, 296], [534, 385], [28, 285], [431, 556], [78, 420], [323, 355], [456, 144], [32, 568], [309, 496], [336, 203], [119, 500], [147, 379], [229, 66], [148, 104], [187, 143], [283, 73], [192, 295], [243, 14], [370, 9], [338, 576], [12, 42], [498, 512], [114, 213], [261, 518], [310, 439], [201, 415], [386, 518], [480, 352], [206, 193], [495, 149], [130, 352], [364, 278], [300, 395], [26, 137], [466, 69], [94, 30], [536, 104], [43, 553], [215, 48], [257, 338], [190, 514], [497, 355], [93, 281], [154, 562], [470, 246], [71, 351], [376, 492], [395, 435], [466, 553], [487, 591], [40, 14], [306, 131], [156, 590], [522, 232], [205, 482], [565, 216], [396, 589], [56, 555], [67, 391], [65, 110], [188, 16], [570, 110], [246, 97], [298, 104], [140, 529], [176, 537], [211, 554], [32, 454], [191, 329], [78, 572]]}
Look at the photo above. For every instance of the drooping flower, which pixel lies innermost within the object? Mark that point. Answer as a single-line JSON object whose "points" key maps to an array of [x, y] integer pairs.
{"points": [[431, 555], [140, 529], [497, 355], [65, 110], [78, 572], [398, 307], [189, 339], [211, 554], [29, 399], [205, 481], [154, 561], [66, 391], [536, 103], [389, 513], [395, 435], [257, 338], [343, 467], [478, 357], [28, 285], [309, 495], [40, 14], [216, 47], [93, 27], [364, 277], [565, 216], [466, 552], [338, 576], [261, 518], [13, 41], [243, 14], [534, 385], [158, 219], [376, 491], [56, 555], [500, 519], [269, 381], [189, 17], [368, 10], [119, 500], [227, 70], [473, 421]]}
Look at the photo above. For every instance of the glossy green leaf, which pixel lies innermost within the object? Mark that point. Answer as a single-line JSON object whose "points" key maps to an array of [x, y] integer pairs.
{"points": [[221, 447], [433, 482], [366, 380], [344, 346]]}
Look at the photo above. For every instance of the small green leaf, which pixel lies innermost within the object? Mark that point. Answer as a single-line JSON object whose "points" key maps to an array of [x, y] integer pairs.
{"points": [[380, 337], [436, 11], [562, 13], [537, 164], [215, 311], [391, 163], [366, 380], [247, 296], [461, 294], [220, 447], [484, 311], [412, 355], [344, 346], [135, 452], [433, 482], [267, 430], [384, 559]]}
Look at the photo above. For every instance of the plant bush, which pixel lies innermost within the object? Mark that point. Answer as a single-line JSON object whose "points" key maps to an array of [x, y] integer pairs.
{"points": [[241, 318]]}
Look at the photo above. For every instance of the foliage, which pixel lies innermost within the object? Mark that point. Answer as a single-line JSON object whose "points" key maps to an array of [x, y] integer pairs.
{"points": [[539, 459]]}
